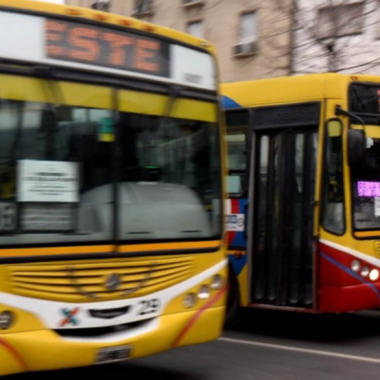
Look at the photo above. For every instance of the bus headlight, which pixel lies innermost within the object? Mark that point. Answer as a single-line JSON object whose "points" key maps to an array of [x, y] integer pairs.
{"points": [[204, 292], [6, 320], [355, 265], [217, 282], [365, 271], [189, 300], [374, 274]]}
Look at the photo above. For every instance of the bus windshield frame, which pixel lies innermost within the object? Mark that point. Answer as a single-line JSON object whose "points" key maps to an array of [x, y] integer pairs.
{"points": [[189, 216]]}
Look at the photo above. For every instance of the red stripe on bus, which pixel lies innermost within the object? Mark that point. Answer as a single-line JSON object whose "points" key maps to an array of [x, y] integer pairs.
{"points": [[198, 314], [14, 353]]}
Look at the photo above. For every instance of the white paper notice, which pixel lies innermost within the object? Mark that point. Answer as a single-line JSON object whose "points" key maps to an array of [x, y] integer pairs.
{"points": [[377, 206], [48, 181], [235, 222]]}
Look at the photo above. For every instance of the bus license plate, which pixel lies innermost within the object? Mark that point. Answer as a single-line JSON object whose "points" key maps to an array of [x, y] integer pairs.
{"points": [[113, 354]]}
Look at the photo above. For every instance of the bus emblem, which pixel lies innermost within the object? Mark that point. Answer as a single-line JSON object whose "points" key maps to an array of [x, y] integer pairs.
{"points": [[70, 318], [113, 282]]}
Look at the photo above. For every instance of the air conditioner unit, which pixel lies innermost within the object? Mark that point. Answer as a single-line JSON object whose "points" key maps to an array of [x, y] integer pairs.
{"points": [[102, 5], [190, 3], [143, 7], [245, 49]]}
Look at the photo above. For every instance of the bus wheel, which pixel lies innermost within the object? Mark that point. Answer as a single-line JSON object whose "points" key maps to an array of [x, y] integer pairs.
{"points": [[233, 300]]}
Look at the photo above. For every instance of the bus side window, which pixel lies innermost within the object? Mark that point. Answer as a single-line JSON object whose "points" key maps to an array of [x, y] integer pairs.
{"points": [[333, 194]]}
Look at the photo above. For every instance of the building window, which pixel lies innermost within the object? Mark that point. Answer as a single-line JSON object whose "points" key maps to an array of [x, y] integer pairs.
{"points": [[143, 8], [248, 35], [195, 28], [340, 20]]}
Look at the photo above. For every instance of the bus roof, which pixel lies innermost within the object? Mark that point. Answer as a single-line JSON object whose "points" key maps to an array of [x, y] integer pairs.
{"points": [[108, 19], [282, 90]]}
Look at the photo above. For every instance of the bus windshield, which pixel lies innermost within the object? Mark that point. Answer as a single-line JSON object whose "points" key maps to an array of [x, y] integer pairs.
{"points": [[66, 172], [366, 189]]}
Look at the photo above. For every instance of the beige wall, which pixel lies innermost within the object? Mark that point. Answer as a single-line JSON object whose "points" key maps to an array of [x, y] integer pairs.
{"points": [[221, 26]]}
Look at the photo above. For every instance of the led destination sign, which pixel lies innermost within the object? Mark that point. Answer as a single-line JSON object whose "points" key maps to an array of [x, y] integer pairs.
{"points": [[103, 49], [71, 41]]}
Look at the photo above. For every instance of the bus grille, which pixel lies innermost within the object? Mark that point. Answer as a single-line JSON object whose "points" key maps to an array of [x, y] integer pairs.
{"points": [[108, 280]]}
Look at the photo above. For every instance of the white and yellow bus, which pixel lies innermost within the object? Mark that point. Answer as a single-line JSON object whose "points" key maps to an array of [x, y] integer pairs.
{"points": [[111, 194]]}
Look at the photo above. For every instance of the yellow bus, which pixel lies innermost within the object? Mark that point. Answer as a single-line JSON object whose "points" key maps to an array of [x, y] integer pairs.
{"points": [[303, 215], [111, 195]]}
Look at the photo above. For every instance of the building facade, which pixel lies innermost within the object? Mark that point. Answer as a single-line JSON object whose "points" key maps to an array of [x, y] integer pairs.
{"points": [[253, 37], [337, 35]]}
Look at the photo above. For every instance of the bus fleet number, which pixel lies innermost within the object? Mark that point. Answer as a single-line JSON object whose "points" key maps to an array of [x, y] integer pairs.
{"points": [[149, 306]]}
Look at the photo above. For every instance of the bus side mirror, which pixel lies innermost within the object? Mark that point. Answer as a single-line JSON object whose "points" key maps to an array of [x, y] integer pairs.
{"points": [[356, 146]]}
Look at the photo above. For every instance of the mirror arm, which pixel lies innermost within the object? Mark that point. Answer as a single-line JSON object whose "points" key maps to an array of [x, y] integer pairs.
{"points": [[340, 111]]}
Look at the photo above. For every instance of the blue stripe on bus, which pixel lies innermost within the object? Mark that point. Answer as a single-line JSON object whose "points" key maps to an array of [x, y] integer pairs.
{"points": [[238, 263], [229, 103]]}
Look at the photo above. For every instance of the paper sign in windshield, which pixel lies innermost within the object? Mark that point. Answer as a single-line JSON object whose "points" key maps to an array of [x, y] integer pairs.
{"points": [[48, 181], [377, 207], [368, 189]]}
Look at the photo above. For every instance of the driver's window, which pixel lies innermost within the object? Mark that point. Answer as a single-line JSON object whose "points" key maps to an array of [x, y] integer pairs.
{"points": [[237, 136], [333, 202]]}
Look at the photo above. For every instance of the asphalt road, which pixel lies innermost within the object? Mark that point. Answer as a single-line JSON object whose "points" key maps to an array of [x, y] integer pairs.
{"points": [[265, 345]]}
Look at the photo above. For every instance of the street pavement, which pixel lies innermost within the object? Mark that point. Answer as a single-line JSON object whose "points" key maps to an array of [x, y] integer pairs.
{"points": [[264, 345]]}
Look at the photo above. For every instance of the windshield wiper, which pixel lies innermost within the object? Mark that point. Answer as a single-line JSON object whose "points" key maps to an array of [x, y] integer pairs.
{"points": [[174, 93]]}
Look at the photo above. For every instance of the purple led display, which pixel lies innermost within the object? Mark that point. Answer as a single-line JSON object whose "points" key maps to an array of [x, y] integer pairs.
{"points": [[368, 189]]}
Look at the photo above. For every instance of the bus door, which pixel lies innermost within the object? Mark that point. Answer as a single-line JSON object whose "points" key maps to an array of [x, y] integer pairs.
{"points": [[282, 233]]}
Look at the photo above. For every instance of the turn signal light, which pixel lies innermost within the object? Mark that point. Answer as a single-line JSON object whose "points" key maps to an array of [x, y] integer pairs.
{"points": [[217, 282], [355, 265], [365, 271], [204, 292], [189, 300]]}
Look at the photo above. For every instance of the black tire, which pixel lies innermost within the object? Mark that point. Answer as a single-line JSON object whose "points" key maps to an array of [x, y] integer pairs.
{"points": [[233, 312]]}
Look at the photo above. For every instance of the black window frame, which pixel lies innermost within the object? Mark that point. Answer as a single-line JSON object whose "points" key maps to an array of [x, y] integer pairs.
{"points": [[324, 179]]}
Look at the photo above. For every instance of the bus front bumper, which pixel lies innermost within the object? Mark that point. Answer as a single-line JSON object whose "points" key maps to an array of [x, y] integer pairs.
{"points": [[46, 350]]}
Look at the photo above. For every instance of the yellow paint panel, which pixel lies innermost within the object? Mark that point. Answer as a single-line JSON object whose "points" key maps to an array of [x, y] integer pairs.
{"points": [[371, 130], [195, 110], [243, 286], [367, 234], [156, 105], [23, 88], [40, 91], [83, 95], [9, 364]]}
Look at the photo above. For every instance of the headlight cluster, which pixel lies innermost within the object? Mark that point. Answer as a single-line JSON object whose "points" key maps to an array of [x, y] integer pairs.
{"points": [[6, 320], [365, 270], [204, 292]]}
